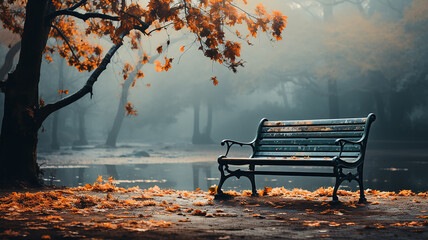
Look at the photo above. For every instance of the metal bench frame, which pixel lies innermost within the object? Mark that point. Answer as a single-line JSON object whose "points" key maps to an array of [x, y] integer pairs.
{"points": [[337, 162]]}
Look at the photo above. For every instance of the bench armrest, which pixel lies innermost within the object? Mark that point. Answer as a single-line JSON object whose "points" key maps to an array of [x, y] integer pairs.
{"points": [[342, 143], [340, 163], [229, 143]]}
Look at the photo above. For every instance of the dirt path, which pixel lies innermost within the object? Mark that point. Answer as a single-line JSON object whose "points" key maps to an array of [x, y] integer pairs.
{"points": [[106, 212]]}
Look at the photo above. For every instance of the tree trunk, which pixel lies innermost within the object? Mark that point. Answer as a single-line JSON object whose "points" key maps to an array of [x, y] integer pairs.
{"points": [[333, 98], [54, 136], [205, 137], [81, 128], [209, 120], [54, 139], [18, 140], [284, 96], [196, 133], [120, 114]]}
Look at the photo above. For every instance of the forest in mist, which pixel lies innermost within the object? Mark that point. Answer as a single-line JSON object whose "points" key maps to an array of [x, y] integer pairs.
{"points": [[337, 59]]}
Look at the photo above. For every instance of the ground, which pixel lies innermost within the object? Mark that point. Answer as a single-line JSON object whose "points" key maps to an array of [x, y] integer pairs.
{"points": [[104, 211]]}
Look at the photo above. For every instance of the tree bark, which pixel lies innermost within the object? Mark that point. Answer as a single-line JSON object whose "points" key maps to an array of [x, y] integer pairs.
{"points": [[18, 140]]}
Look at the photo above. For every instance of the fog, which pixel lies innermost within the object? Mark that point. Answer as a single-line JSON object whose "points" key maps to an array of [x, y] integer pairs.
{"points": [[344, 59]]}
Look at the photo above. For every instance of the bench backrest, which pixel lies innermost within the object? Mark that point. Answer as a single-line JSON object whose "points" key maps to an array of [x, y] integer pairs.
{"points": [[314, 139]]}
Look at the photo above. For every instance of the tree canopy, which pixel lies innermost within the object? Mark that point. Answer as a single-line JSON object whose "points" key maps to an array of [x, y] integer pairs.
{"points": [[207, 19]]}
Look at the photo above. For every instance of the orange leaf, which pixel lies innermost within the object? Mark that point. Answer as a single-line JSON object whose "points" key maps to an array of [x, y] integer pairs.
{"points": [[100, 179], [130, 109], [215, 81], [184, 220], [140, 74], [48, 58], [159, 49], [182, 49], [158, 66]]}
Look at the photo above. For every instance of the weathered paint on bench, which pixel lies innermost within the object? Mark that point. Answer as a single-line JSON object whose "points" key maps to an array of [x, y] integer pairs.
{"points": [[337, 143]]}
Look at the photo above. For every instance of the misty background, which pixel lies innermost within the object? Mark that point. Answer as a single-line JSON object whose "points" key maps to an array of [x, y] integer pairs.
{"points": [[337, 59]]}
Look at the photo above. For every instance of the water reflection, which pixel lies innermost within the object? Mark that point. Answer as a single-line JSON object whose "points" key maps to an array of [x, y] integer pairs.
{"points": [[188, 168], [190, 176]]}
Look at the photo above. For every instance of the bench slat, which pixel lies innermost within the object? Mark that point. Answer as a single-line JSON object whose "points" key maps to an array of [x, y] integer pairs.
{"points": [[316, 122], [301, 141], [266, 161], [312, 135], [320, 128], [305, 154], [317, 148]]}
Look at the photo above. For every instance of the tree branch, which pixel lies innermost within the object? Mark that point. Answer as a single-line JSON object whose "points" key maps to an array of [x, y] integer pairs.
{"points": [[83, 16], [45, 111], [159, 28], [8, 63], [72, 8], [65, 40]]}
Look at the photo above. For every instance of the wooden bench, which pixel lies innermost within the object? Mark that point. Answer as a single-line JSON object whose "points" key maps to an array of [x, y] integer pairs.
{"points": [[333, 143]]}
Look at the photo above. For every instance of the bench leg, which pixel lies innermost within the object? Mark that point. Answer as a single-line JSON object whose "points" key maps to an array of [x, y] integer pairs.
{"points": [[222, 179], [339, 179], [336, 187], [360, 183], [253, 181]]}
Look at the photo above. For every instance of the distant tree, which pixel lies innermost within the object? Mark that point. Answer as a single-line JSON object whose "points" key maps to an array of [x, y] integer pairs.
{"points": [[205, 136], [37, 21], [131, 74]]}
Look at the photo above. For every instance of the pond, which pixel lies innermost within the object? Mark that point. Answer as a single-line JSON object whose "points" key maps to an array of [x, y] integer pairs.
{"points": [[187, 167]]}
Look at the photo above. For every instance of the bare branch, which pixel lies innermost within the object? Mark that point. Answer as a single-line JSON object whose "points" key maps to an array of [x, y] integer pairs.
{"points": [[66, 40], [250, 15], [159, 28]]}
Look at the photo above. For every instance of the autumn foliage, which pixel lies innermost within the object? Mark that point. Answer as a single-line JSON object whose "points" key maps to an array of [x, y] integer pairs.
{"points": [[207, 19]]}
